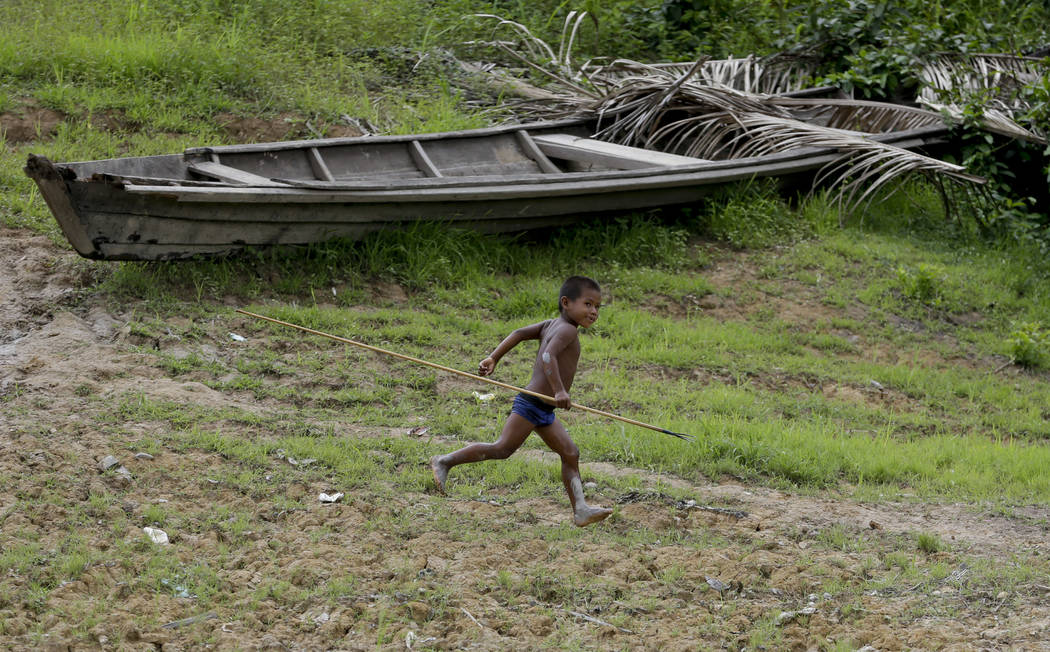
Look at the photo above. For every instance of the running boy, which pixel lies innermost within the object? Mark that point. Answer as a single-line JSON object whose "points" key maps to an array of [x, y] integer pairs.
{"points": [[552, 375]]}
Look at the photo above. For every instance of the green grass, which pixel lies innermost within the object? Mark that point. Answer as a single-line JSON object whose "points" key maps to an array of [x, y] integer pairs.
{"points": [[896, 395]]}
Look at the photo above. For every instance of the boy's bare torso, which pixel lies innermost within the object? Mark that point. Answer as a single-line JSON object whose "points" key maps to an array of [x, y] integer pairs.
{"points": [[559, 338]]}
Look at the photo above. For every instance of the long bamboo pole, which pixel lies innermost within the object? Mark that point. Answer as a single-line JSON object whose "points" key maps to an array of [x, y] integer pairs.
{"points": [[450, 370]]}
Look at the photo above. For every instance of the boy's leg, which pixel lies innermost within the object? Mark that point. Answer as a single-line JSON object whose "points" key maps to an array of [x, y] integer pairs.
{"points": [[557, 438], [515, 431]]}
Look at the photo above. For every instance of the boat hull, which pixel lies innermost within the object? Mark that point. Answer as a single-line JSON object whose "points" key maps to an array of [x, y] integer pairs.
{"points": [[109, 213]]}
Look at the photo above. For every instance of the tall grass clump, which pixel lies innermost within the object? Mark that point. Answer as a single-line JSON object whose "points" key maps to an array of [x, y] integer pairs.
{"points": [[753, 215], [633, 241], [430, 252]]}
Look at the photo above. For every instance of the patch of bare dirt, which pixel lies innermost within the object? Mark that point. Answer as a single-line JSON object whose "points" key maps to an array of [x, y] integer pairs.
{"points": [[29, 122], [418, 570], [285, 126]]}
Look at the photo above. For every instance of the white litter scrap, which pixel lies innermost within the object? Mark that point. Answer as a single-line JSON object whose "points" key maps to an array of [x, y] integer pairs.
{"points": [[160, 537], [329, 498], [484, 397], [238, 338]]}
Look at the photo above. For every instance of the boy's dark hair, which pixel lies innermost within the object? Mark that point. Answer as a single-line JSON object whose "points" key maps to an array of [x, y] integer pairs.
{"points": [[574, 286]]}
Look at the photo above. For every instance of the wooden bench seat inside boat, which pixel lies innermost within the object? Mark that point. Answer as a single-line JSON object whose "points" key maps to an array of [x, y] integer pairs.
{"points": [[599, 152], [230, 174]]}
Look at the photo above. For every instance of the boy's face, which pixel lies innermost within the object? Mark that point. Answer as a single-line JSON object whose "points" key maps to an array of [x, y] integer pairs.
{"points": [[583, 310]]}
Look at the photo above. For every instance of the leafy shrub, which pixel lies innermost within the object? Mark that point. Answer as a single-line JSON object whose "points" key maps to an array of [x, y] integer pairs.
{"points": [[1029, 345], [923, 285]]}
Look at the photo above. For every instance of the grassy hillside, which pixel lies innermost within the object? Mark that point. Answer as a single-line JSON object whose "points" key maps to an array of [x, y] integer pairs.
{"points": [[134, 79]]}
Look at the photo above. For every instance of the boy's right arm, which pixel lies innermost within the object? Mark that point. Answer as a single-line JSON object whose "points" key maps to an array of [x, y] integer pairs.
{"points": [[530, 332]]}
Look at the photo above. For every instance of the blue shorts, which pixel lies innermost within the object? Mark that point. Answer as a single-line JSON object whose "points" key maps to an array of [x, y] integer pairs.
{"points": [[533, 410]]}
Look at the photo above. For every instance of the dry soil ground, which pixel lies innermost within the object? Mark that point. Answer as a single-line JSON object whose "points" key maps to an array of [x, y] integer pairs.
{"points": [[418, 571]]}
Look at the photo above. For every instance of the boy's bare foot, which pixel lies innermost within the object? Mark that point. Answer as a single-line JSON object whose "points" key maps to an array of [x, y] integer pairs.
{"points": [[440, 472], [585, 514]]}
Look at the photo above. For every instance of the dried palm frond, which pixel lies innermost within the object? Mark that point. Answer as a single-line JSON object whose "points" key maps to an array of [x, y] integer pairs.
{"points": [[759, 75], [641, 105], [997, 121], [991, 81], [865, 167], [858, 115], [541, 56], [713, 122], [1001, 73]]}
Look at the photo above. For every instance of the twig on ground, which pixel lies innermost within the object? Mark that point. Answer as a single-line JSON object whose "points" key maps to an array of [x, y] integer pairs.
{"points": [[472, 618], [598, 621]]}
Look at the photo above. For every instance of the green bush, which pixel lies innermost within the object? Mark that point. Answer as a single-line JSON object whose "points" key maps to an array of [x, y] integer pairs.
{"points": [[1029, 345], [924, 284], [930, 543]]}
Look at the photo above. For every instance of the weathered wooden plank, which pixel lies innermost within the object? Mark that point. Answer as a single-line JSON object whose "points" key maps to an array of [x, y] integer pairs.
{"points": [[229, 174], [321, 170], [566, 125], [528, 145], [422, 161], [587, 150]]}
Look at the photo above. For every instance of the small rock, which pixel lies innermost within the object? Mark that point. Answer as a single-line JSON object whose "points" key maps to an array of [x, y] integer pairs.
{"points": [[156, 535], [787, 616], [716, 584], [107, 463], [143, 456], [1002, 595], [875, 525], [590, 485]]}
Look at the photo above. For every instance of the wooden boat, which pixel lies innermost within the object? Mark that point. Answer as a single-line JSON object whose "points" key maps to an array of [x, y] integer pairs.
{"points": [[213, 200]]}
